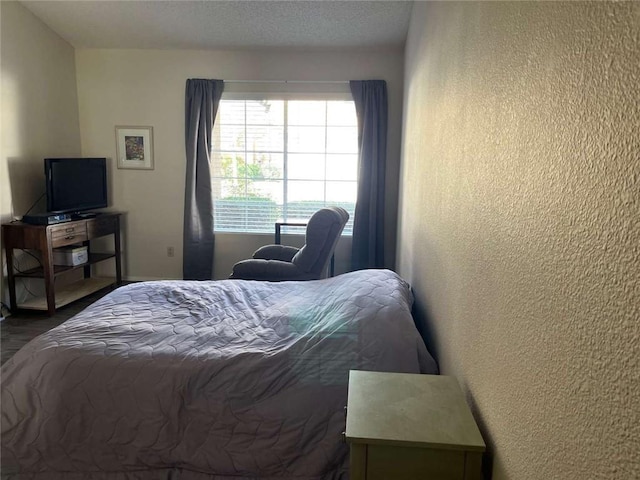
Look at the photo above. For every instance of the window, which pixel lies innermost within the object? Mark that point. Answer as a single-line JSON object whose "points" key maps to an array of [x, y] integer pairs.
{"points": [[282, 159]]}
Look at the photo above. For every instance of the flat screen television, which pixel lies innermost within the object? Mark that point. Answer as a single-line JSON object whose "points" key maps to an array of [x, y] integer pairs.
{"points": [[75, 184]]}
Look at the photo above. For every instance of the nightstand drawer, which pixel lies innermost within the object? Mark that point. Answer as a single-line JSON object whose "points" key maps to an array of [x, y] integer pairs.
{"points": [[409, 463], [100, 226], [68, 234]]}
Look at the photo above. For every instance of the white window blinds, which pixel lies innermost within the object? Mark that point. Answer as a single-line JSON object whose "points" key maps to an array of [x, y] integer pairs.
{"points": [[282, 159]]}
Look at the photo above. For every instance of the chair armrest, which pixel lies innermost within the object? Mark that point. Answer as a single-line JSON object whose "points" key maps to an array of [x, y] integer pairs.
{"points": [[269, 270], [275, 252]]}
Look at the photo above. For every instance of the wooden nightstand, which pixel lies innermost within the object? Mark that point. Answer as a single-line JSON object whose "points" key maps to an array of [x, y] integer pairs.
{"points": [[403, 426]]}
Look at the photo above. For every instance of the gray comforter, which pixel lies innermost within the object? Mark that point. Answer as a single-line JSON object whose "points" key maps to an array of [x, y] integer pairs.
{"points": [[204, 380]]}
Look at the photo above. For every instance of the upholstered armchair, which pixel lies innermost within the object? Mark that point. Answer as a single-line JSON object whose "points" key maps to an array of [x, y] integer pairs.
{"points": [[276, 263]]}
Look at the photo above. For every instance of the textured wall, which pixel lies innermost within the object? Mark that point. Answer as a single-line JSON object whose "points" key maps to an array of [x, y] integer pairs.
{"points": [[519, 224], [39, 112]]}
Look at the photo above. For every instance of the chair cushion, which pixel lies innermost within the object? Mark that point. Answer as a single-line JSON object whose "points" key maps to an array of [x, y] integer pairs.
{"points": [[276, 252], [323, 228], [268, 270]]}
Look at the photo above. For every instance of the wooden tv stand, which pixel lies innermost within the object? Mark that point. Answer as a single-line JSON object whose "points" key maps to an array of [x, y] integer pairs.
{"points": [[45, 238]]}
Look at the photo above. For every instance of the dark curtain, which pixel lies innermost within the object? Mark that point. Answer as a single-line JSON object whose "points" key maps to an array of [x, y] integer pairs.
{"points": [[202, 98], [370, 97]]}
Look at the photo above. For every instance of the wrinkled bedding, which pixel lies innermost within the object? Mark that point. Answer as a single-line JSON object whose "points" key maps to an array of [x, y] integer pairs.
{"points": [[211, 380]]}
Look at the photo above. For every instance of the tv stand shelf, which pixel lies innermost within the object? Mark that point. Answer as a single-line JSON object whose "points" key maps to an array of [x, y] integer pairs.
{"points": [[45, 238], [38, 272], [69, 293]]}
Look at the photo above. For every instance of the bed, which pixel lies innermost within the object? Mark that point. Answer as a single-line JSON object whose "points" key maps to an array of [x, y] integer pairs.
{"points": [[215, 380]]}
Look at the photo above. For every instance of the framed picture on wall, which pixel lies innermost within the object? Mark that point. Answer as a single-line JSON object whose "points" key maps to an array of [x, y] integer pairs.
{"points": [[135, 147]]}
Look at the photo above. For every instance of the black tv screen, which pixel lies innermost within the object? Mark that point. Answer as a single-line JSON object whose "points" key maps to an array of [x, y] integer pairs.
{"points": [[75, 184]]}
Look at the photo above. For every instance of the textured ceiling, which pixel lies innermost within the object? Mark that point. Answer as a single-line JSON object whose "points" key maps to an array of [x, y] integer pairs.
{"points": [[186, 24]]}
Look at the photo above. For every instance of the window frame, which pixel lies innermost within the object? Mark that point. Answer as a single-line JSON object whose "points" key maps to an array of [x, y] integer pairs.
{"points": [[343, 95]]}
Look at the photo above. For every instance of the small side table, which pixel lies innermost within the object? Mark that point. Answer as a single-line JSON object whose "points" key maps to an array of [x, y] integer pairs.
{"points": [[45, 238], [406, 427]]}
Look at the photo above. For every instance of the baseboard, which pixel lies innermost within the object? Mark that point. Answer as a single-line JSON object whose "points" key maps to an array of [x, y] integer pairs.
{"points": [[147, 279]]}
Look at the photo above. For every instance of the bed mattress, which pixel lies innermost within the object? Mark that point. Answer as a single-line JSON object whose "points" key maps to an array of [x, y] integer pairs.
{"points": [[204, 380]]}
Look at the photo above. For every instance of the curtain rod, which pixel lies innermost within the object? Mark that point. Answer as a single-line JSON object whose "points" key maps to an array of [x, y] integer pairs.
{"points": [[286, 81]]}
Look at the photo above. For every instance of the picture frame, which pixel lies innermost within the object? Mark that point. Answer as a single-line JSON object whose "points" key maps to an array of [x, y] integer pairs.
{"points": [[134, 147]]}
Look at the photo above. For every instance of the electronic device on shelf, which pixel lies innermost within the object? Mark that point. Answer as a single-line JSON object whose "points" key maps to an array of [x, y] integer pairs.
{"points": [[75, 185], [46, 218]]}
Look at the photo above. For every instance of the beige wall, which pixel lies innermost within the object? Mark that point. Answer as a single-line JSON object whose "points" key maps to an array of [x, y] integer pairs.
{"points": [[39, 110], [146, 87], [520, 232]]}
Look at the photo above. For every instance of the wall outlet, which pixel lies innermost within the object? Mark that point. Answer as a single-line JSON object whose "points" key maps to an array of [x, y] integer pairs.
{"points": [[170, 252]]}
